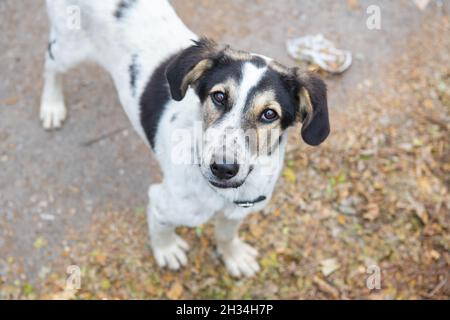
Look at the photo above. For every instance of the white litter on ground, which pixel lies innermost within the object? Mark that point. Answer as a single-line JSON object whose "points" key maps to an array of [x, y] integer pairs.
{"points": [[320, 51], [421, 4]]}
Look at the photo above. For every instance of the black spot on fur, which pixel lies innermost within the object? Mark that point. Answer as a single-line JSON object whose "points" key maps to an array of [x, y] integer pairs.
{"points": [[153, 101], [49, 49], [133, 70], [122, 7]]}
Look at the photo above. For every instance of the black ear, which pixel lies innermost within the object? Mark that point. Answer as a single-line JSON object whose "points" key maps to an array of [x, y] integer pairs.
{"points": [[188, 66], [312, 95]]}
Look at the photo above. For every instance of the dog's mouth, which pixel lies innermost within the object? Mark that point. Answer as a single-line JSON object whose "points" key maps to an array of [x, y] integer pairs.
{"points": [[226, 185]]}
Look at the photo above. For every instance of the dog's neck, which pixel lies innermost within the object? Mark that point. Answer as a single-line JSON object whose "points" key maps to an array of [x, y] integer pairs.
{"points": [[148, 39]]}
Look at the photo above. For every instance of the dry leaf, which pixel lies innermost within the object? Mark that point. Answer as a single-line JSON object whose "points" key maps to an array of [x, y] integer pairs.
{"points": [[341, 219], [10, 101], [372, 212], [256, 230], [353, 4], [175, 291], [328, 266], [428, 103], [435, 255], [100, 258], [64, 295], [289, 175], [39, 243]]}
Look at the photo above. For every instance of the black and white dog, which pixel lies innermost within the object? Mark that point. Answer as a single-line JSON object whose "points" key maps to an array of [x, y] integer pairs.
{"points": [[172, 85]]}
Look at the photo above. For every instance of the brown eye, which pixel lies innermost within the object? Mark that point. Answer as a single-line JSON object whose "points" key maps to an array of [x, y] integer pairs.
{"points": [[269, 115], [219, 98]]}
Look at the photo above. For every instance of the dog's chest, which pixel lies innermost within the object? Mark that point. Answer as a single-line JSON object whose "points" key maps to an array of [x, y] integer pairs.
{"points": [[192, 202]]}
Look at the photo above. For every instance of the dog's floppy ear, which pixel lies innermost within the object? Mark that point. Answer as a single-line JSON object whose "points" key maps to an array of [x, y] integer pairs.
{"points": [[311, 94], [188, 66]]}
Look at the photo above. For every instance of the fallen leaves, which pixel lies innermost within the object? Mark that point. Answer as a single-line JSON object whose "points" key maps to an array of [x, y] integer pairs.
{"points": [[175, 292], [64, 295], [341, 219], [100, 257], [256, 230], [105, 284], [428, 103], [9, 101], [372, 212], [353, 4], [419, 209], [290, 175]]}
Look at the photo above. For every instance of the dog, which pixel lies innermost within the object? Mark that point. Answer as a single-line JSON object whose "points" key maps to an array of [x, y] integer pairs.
{"points": [[171, 83]]}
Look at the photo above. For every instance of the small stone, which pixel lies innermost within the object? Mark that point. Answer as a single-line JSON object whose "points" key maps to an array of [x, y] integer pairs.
{"points": [[47, 217], [43, 204]]}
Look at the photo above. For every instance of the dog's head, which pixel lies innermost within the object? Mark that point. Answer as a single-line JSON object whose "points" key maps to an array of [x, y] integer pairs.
{"points": [[248, 102]]}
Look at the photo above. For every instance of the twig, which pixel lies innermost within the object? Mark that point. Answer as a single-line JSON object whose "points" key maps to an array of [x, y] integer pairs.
{"points": [[103, 137], [421, 116], [326, 287], [437, 288]]}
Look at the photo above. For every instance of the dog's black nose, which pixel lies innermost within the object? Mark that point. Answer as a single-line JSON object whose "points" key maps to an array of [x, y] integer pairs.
{"points": [[224, 171]]}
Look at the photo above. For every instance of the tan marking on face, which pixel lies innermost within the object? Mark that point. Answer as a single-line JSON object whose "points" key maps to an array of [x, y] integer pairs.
{"points": [[265, 100], [306, 107], [266, 134], [212, 112], [237, 55], [195, 74], [278, 67]]}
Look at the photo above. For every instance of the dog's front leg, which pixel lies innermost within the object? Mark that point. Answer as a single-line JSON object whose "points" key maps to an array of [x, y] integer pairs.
{"points": [[168, 248], [53, 110], [239, 257]]}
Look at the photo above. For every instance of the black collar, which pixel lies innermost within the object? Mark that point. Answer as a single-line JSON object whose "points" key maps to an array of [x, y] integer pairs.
{"points": [[249, 204]]}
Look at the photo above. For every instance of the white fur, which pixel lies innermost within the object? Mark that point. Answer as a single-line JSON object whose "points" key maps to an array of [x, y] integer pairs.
{"points": [[153, 31]]}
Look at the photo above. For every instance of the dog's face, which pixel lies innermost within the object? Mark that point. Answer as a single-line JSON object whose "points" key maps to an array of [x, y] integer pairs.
{"points": [[248, 103]]}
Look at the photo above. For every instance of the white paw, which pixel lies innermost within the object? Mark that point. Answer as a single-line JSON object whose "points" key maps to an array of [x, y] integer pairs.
{"points": [[53, 114], [173, 255], [240, 258]]}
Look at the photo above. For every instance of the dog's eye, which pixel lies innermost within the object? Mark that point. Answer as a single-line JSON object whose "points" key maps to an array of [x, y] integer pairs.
{"points": [[269, 115], [219, 98]]}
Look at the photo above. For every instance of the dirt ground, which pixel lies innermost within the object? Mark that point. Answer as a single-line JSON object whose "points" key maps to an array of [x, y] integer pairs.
{"points": [[373, 197]]}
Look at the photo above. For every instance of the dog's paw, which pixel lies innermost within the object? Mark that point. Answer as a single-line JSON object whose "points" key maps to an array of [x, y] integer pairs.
{"points": [[173, 255], [52, 114], [240, 258]]}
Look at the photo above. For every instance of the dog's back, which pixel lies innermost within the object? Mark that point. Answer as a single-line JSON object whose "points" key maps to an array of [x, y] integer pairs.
{"points": [[128, 38], [112, 27]]}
